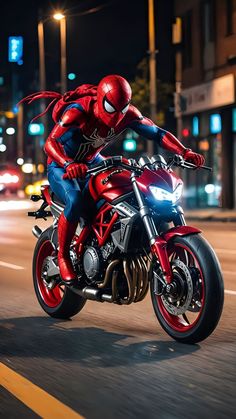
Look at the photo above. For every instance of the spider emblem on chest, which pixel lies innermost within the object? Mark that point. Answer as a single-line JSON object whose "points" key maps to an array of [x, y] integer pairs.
{"points": [[96, 140]]}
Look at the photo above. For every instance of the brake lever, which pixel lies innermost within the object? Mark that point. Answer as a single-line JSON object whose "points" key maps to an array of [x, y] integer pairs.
{"points": [[188, 165]]}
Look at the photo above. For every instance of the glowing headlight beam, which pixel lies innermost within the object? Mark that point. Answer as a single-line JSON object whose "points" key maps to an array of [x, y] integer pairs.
{"points": [[163, 195]]}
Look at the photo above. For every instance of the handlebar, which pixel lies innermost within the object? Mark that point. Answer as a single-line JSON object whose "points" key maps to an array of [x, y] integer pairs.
{"points": [[114, 161], [109, 163]]}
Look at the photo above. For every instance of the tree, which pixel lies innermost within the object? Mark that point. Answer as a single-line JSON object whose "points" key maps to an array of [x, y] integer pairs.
{"points": [[140, 88]]}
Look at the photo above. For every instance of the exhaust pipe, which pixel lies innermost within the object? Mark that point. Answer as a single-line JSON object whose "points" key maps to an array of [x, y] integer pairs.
{"points": [[36, 231], [93, 294]]}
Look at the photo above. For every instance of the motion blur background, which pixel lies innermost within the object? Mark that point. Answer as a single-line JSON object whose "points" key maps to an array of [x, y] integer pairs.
{"points": [[190, 90], [180, 58]]}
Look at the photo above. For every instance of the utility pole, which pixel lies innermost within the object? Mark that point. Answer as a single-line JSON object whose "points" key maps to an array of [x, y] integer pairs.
{"points": [[152, 69], [20, 132]]}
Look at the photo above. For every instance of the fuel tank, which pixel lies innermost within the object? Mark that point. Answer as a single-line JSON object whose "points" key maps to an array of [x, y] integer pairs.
{"points": [[113, 183]]}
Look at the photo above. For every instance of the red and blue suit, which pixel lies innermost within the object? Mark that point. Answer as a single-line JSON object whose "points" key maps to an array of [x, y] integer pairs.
{"points": [[88, 120]]}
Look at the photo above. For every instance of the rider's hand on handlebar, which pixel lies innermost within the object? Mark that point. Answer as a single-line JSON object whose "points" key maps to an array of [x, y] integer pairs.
{"points": [[194, 158], [75, 170]]}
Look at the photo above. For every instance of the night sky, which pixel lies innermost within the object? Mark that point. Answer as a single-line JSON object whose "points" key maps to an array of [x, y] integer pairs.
{"points": [[112, 40]]}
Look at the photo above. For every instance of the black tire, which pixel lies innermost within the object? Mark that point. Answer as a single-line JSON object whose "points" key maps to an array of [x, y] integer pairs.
{"points": [[213, 288], [71, 303]]}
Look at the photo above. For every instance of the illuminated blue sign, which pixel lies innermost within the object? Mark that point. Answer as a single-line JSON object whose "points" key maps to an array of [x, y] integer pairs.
{"points": [[234, 119], [15, 49], [215, 123], [195, 126]]}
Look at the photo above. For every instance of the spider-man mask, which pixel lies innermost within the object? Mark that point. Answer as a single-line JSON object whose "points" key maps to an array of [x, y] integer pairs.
{"points": [[113, 98]]}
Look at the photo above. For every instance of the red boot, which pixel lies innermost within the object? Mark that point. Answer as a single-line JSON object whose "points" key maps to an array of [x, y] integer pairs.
{"points": [[66, 232]]}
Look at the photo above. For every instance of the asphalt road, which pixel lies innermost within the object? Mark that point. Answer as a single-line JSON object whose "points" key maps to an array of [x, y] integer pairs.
{"points": [[112, 361]]}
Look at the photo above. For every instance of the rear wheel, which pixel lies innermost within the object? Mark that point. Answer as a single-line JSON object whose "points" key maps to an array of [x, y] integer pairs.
{"points": [[190, 308], [57, 301]]}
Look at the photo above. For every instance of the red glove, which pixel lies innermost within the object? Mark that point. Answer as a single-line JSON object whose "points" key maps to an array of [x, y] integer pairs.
{"points": [[75, 170], [194, 158]]}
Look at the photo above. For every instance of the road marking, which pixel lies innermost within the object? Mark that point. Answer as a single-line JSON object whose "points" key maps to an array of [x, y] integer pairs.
{"points": [[226, 251], [229, 273], [230, 292], [11, 266], [16, 205], [42, 403]]}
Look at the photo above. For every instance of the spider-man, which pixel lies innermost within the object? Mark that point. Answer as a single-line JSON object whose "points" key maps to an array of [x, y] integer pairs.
{"points": [[87, 120]]}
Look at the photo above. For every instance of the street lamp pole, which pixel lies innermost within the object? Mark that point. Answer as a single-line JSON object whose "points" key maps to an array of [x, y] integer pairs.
{"points": [[62, 19], [152, 69], [42, 71], [42, 85], [63, 54]]}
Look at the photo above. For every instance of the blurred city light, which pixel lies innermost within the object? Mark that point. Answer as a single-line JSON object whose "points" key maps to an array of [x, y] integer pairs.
{"points": [[40, 168], [8, 178], [3, 148], [58, 16], [27, 168], [35, 188], [9, 114], [36, 129], [185, 132], [71, 76], [129, 144], [29, 190], [209, 188], [20, 161], [215, 123], [10, 131]]}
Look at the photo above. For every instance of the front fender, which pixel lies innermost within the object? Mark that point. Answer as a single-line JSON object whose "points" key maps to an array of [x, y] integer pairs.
{"points": [[179, 231]]}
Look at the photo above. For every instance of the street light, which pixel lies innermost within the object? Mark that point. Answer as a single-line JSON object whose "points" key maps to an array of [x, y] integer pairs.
{"points": [[58, 16], [62, 19]]}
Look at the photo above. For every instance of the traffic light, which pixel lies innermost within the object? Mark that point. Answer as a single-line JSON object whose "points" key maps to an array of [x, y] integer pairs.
{"points": [[130, 143]]}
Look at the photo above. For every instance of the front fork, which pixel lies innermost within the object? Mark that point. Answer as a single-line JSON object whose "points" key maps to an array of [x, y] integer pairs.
{"points": [[158, 244]]}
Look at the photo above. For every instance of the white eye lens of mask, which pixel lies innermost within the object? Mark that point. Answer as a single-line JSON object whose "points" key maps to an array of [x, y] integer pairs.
{"points": [[125, 108], [108, 107]]}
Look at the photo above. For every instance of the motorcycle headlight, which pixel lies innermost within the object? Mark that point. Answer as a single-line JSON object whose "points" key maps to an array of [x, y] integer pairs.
{"points": [[163, 195]]}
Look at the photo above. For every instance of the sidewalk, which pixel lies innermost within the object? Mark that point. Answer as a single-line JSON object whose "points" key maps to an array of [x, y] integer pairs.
{"points": [[213, 214]]}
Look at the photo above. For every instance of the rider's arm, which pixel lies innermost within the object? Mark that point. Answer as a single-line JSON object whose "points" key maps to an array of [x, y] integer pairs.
{"points": [[145, 127], [54, 144]]}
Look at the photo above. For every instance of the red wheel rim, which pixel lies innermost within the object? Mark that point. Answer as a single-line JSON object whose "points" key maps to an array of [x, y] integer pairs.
{"points": [[52, 298], [177, 322]]}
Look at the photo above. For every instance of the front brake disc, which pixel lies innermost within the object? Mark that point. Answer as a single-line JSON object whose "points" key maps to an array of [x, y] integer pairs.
{"points": [[182, 304]]}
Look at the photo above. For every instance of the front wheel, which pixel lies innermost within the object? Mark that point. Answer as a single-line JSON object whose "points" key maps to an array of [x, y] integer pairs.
{"points": [[190, 308], [58, 301]]}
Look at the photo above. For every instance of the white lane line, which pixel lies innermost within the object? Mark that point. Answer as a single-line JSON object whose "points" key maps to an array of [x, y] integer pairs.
{"points": [[229, 273], [11, 266], [230, 292], [226, 251]]}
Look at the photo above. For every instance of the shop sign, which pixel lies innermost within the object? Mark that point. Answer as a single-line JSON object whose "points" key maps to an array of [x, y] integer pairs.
{"points": [[214, 94]]}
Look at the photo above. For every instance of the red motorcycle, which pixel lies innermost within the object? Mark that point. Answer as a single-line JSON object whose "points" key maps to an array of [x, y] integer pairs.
{"points": [[134, 235]]}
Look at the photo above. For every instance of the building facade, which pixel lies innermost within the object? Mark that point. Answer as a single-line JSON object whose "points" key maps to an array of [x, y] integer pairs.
{"points": [[205, 98]]}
